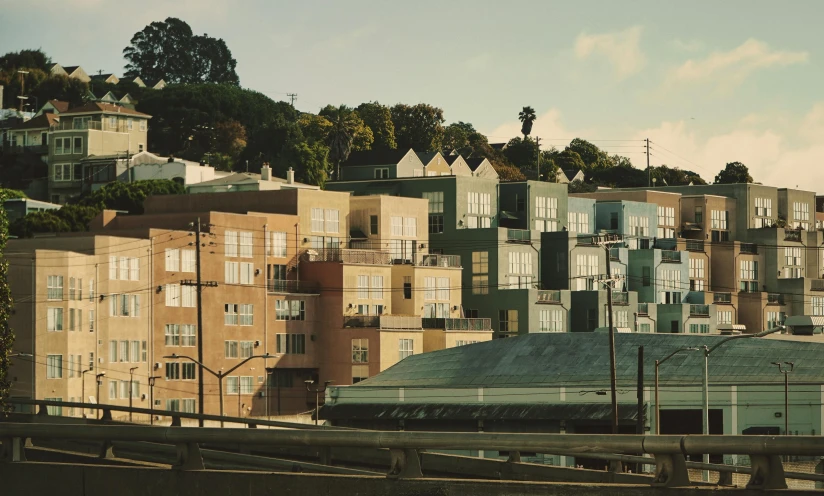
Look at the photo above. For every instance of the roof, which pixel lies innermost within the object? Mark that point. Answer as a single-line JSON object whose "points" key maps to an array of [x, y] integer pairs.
{"points": [[804, 320], [426, 157], [450, 159], [41, 121], [374, 157], [102, 76], [70, 68], [571, 173], [237, 178], [475, 411], [474, 162], [60, 106], [581, 359], [94, 107]]}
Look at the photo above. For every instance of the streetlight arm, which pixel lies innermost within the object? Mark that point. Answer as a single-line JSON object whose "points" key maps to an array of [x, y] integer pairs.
{"points": [[207, 369], [679, 350], [740, 336], [246, 360]]}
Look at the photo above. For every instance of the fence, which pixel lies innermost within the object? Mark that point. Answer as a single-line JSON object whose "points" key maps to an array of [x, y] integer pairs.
{"points": [[349, 256], [722, 298], [693, 245], [549, 296], [438, 260]]}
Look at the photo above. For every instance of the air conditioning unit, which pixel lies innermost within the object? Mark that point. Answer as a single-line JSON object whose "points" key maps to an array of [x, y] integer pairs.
{"points": [[158, 365]]}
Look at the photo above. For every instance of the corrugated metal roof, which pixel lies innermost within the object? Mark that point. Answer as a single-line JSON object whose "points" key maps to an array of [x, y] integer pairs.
{"points": [[582, 360]]}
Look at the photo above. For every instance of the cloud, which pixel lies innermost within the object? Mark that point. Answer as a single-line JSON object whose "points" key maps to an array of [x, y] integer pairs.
{"points": [[726, 70], [621, 49], [479, 62], [689, 45]]}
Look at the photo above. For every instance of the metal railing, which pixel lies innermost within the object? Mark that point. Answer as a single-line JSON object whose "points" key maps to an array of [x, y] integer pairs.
{"points": [[457, 324], [348, 256], [361, 320], [518, 236], [722, 297], [791, 235], [93, 125], [695, 245], [775, 298], [817, 285], [15, 148], [750, 248], [549, 296], [291, 286], [699, 310], [669, 452], [620, 298], [438, 260], [668, 256], [643, 309]]}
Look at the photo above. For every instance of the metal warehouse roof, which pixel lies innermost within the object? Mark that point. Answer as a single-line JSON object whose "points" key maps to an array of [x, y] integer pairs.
{"points": [[582, 359]]}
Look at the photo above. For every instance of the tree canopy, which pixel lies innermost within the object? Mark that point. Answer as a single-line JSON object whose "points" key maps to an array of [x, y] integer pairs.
{"points": [[379, 119], [527, 118], [734, 172], [169, 50], [6, 306], [419, 126]]}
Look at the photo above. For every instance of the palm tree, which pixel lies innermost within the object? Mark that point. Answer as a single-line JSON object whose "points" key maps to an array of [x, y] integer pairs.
{"points": [[341, 136], [527, 117]]}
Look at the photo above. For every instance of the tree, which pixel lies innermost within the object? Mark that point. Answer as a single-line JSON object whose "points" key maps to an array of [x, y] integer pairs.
{"points": [[508, 172], [569, 160], [341, 134], [527, 117], [7, 193], [591, 155], [675, 176], [522, 153], [734, 172], [25, 59], [6, 306], [129, 196], [48, 221], [11, 81], [456, 137], [59, 87], [315, 128], [309, 161], [419, 127], [379, 119], [229, 140], [169, 50]]}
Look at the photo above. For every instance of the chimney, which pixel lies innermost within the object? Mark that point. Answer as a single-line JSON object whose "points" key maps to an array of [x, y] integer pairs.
{"points": [[266, 172], [290, 176]]}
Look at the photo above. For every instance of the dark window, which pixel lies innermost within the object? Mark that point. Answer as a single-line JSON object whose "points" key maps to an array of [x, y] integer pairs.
{"points": [[699, 215], [645, 277], [674, 326], [373, 224], [613, 220], [471, 313], [520, 203], [407, 288], [435, 223], [592, 319], [78, 145], [78, 172]]}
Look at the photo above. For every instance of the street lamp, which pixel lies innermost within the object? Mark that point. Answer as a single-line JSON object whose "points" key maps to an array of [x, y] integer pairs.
{"points": [[99, 378], [83, 391], [151, 397], [658, 364], [786, 373], [317, 392], [131, 390], [220, 374]]}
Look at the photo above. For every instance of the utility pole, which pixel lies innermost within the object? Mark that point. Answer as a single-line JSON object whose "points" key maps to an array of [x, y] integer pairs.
{"points": [[22, 88], [131, 389], [649, 173], [199, 285], [607, 241], [292, 98], [538, 157]]}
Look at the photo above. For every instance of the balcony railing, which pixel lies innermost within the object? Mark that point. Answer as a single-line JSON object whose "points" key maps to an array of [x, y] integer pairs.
{"points": [[400, 322], [671, 256], [817, 285], [699, 310], [457, 324], [722, 298], [281, 286], [349, 256], [549, 296], [775, 298], [620, 298], [694, 245], [361, 320], [792, 235], [15, 148], [643, 309], [71, 125], [438, 260], [518, 236], [750, 248]]}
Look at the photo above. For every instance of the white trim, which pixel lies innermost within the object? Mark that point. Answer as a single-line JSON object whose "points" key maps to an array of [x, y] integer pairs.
{"points": [[481, 394], [561, 394], [400, 394]]}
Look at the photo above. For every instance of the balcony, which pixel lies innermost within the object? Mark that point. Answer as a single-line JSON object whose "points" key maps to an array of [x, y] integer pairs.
{"points": [[549, 296], [722, 298], [750, 248], [438, 260], [449, 324], [71, 125], [775, 299], [792, 235], [670, 256], [290, 286], [643, 309], [15, 148], [400, 322], [817, 285], [361, 320], [518, 236], [348, 256], [699, 310], [693, 245], [619, 298]]}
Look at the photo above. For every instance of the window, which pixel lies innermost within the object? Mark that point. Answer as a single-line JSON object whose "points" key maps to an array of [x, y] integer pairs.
{"points": [[246, 245], [246, 348], [124, 351], [54, 287], [232, 385], [725, 317], [112, 351], [188, 296], [278, 248], [382, 173], [130, 124], [578, 222], [406, 347], [443, 289], [71, 289], [144, 356], [173, 259], [124, 389], [230, 349], [360, 350], [187, 261], [749, 275], [91, 289], [435, 211], [230, 314], [172, 371], [297, 310], [113, 268], [817, 303], [230, 243], [124, 268], [410, 227], [620, 318], [247, 273], [54, 319], [697, 274], [187, 405], [281, 310], [407, 287], [112, 390], [396, 224], [189, 372], [332, 220], [638, 226], [666, 216], [173, 405], [62, 146], [801, 215], [699, 215], [775, 319], [134, 269], [143, 127], [763, 208], [246, 384], [231, 271], [508, 321], [376, 290], [188, 335], [91, 320], [359, 373], [478, 204], [699, 328], [373, 224], [519, 270], [363, 287], [54, 366], [247, 314], [291, 344], [317, 220], [550, 321], [643, 328], [172, 335], [586, 267], [719, 219], [172, 295]]}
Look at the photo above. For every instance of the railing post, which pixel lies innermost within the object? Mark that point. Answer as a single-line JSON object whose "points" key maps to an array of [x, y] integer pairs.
{"points": [[189, 457], [43, 410], [670, 470], [14, 449], [106, 450], [107, 414], [767, 472], [175, 421], [406, 464]]}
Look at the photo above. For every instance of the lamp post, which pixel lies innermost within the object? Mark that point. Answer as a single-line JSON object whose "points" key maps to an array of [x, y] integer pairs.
{"points": [[131, 390], [786, 373], [83, 391], [151, 397], [99, 378], [706, 406], [658, 364], [317, 392], [220, 374]]}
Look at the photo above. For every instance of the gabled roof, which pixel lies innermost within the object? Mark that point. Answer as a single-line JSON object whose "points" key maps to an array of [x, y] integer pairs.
{"points": [[70, 68], [101, 107], [571, 173], [474, 162], [41, 121], [426, 157], [375, 157], [450, 159], [60, 106]]}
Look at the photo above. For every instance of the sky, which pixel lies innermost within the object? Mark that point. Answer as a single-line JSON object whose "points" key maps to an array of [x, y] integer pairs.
{"points": [[707, 82]]}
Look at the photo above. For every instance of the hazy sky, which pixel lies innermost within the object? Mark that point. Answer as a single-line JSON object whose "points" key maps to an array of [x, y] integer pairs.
{"points": [[707, 81]]}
